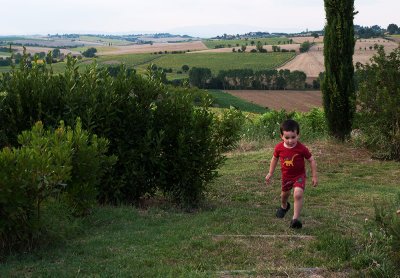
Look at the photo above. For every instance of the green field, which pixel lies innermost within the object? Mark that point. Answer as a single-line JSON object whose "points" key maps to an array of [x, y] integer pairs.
{"points": [[223, 61], [235, 233], [131, 60], [5, 69], [104, 40], [233, 43], [214, 61], [7, 54], [225, 100], [11, 38]]}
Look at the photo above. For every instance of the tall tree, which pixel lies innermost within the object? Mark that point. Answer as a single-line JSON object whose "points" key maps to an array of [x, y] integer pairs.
{"points": [[338, 84]]}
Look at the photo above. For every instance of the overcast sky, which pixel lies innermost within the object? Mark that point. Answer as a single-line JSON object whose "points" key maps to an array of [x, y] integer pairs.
{"points": [[198, 18]]}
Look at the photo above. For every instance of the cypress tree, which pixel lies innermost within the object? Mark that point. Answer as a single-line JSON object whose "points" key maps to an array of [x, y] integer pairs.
{"points": [[338, 83]]}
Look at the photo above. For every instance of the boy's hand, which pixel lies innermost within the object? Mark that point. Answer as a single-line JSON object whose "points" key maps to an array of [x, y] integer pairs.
{"points": [[315, 181], [268, 179]]}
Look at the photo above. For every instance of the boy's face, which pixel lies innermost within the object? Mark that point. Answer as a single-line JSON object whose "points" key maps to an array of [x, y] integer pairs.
{"points": [[290, 138]]}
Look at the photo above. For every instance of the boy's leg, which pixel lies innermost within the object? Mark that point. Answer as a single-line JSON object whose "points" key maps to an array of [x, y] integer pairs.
{"points": [[285, 206], [284, 198], [298, 201]]}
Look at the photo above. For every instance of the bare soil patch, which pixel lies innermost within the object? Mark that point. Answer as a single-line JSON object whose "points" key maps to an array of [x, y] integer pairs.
{"points": [[301, 101], [155, 47]]}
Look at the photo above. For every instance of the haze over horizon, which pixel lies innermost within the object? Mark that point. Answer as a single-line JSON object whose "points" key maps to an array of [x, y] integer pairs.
{"points": [[200, 19]]}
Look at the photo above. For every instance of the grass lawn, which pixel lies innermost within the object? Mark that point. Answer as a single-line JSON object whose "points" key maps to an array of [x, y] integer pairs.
{"points": [[235, 233]]}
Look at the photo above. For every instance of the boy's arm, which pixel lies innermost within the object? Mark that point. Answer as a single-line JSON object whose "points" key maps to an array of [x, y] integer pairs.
{"points": [[313, 165], [272, 167]]}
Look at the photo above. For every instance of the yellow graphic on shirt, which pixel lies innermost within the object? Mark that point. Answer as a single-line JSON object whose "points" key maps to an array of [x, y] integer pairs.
{"points": [[289, 162]]}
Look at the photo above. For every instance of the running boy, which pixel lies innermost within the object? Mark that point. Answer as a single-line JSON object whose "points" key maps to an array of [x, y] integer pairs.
{"points": [[291, 154]]}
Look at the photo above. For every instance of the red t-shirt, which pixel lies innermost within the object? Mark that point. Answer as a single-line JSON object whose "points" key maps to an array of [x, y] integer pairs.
{"points": [[292, 159]]}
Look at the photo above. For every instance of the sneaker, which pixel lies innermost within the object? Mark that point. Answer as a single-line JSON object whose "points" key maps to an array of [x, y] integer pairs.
{"points": [[280, 213], [295, 224]]}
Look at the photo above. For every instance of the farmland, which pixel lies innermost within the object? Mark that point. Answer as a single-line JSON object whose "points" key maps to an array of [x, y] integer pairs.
{"points": [[203, 54], [151, 48], [226, 100], [223, 61], [214, 61], [4, 54], [312, 62], [231, 43], [302, 101]]}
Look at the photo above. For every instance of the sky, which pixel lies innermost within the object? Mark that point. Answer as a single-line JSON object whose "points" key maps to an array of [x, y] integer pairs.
{"points": [[203, 18]]}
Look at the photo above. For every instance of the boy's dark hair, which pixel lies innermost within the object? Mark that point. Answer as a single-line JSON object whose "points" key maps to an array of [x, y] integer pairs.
{"points": [[290, 125]]}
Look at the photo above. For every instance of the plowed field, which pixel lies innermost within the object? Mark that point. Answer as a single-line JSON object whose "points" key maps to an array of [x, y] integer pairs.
{"points": [[301, 101]]}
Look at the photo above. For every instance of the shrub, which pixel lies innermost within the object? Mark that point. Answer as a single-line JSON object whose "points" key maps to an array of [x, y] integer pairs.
{"points": [[28, 176], [267, 126], [89, 165], [312, 124], [227, 128], [305, 46], [191, 143], [90, 52], [155, 131], [62, 164], [378, 97]]}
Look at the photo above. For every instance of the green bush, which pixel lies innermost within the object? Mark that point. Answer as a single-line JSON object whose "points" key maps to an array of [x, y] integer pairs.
{"points": [[65, 164], [267, 126], [28, 176], [228, 127], [90, 52], [162, 140], [89, 165], [312, 124], [379, 101], [28, 95], [191, 144]]}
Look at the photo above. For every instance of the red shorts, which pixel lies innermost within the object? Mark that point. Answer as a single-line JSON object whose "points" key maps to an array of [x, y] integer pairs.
{"points": [[289, 183]]}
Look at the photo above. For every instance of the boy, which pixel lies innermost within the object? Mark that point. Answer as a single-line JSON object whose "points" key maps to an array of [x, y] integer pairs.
{"points": [[291, 154]]}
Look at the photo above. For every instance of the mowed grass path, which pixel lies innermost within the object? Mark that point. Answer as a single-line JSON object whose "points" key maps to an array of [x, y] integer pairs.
{"points": [[233, 233]]}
